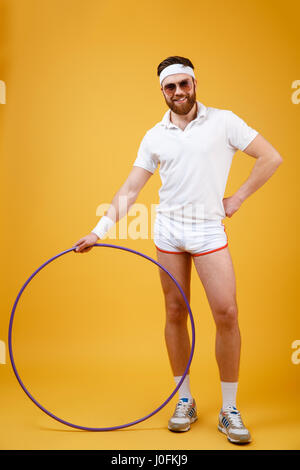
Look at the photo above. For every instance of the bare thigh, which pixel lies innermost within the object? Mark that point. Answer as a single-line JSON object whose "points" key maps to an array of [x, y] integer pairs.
{"points": [[179, 265], [216, 273]]}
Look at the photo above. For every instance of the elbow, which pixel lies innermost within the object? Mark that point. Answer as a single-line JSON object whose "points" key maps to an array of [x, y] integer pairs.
{"points": [[278, 160], [272, 161]]}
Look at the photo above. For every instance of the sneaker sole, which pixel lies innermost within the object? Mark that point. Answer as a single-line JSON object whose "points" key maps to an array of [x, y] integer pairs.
{"points": [[185, 429], [234, 441]]}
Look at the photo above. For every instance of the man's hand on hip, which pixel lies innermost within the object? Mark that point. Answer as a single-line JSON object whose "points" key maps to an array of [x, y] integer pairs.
{"points": [[231, 205]]}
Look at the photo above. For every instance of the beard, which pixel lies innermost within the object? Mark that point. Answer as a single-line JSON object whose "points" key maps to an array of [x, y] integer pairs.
{"points": [[183, 108]]}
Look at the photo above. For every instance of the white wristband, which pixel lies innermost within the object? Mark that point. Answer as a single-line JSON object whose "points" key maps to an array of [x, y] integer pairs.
{"points": [[103, 226]]}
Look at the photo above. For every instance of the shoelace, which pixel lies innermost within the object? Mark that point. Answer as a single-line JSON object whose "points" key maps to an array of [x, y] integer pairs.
{"points": [[234, 418], [181, 409]]}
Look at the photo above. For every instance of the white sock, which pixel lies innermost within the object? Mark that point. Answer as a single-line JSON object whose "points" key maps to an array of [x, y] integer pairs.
{"points": [[184, 390], [229, 390]]}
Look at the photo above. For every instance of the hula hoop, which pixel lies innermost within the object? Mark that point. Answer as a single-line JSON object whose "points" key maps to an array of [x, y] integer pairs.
{"points": [[85, 428]]}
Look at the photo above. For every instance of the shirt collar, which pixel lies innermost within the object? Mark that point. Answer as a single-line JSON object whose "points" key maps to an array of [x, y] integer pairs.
{"points": [[201, 112]]}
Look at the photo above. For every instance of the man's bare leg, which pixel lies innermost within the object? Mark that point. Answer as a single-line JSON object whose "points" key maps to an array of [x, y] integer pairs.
{"points": [[217, 275], [176, 332]]}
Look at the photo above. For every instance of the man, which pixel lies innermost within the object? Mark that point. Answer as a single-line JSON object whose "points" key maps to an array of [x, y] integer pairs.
{"points": [[194, 146]]}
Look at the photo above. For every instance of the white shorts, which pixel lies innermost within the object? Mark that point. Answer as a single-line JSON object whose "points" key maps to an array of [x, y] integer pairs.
{"points": [[198, 239]]}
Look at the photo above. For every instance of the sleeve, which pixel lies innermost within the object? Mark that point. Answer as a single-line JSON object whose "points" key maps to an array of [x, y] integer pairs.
{"points": [[145, 158], [238, 133]]}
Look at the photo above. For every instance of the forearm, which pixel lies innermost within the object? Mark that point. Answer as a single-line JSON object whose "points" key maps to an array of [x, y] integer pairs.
{"points": [[120, 204], [122, 200], [262, 170]]}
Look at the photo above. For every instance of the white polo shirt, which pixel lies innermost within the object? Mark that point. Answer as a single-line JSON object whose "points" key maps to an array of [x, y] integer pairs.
{"points": [[194, 162]]}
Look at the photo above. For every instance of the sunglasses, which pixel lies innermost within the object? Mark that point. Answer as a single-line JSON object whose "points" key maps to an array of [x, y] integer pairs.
{"points": [[185, 85]]}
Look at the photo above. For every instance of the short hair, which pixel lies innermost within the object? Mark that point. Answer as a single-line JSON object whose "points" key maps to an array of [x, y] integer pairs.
{"points": [[175, 59]]}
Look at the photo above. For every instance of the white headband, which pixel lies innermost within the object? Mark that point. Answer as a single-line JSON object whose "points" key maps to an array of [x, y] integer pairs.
{"points": [[176, 68]]}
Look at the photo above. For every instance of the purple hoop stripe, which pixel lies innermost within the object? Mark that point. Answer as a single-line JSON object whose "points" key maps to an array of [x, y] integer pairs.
{"points": [[85, 428]]}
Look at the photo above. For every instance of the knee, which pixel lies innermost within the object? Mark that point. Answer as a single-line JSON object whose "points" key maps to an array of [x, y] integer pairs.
{"points": [[226, 317], [176, 312]]}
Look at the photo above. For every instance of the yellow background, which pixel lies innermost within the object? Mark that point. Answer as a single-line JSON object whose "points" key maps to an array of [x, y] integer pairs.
{"points": [[82, 91]]}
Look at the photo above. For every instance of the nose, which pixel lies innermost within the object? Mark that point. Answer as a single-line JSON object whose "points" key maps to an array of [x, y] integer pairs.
{"points": [[178, 89], [179, 93]]}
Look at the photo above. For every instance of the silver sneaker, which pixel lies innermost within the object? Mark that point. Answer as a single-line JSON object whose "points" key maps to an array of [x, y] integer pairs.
{"points": [[185, 413], [231, 424]]}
